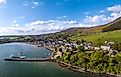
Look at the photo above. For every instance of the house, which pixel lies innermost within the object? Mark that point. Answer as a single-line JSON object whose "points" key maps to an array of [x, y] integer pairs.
{"points": [[58, 54], [112, 52], [96, 48], [86, 47], [111, 43], [105, 48]]}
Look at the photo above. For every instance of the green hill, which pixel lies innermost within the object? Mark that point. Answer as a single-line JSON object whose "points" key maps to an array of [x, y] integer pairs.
{"points": [[114, 25], [100, 37], [109, 32]]}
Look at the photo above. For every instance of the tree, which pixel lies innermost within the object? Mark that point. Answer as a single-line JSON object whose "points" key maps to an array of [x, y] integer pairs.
{"points": [[80, 48], [115, 46], [73, 58], [119, 47], [97, 56], [118, 58]]}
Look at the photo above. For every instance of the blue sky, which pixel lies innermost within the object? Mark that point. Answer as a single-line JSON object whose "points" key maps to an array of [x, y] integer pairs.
{"points": [[45, 16]]}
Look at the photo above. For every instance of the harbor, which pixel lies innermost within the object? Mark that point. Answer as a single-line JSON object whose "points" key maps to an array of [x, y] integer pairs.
{"points": [[22, 57]]}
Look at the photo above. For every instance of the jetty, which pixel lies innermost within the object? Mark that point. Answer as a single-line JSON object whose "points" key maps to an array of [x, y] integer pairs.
{"points": [[23, 58], [28, 59]]}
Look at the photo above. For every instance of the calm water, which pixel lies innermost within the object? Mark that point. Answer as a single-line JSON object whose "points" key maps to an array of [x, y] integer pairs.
{"points": [[31, 69]]}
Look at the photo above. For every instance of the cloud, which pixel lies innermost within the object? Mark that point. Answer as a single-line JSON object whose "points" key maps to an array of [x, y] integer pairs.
{"points": [[102, 11], [32, 4], [61, 17], [114, 12], [50, 26], [15, 25], [14, 21], [38, 27], [25, 3], [116, 15], [115, 8], [86, 13], [100, 19], [36, 3], [94, 20], [2, 3]]}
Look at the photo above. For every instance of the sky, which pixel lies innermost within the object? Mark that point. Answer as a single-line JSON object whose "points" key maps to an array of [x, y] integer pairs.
{"points": [[33, 17]]}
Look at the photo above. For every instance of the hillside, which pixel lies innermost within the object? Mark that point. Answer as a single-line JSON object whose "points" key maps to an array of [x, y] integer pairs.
{"points": [[109, 32], [114, 25], [100, 37]]}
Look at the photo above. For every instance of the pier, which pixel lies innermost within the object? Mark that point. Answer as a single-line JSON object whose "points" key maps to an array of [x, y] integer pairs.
{"points": [[28, 59]]}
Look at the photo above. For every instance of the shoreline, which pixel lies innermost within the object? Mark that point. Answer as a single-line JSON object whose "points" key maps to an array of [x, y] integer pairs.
{"points": [[79, 69], [75, 68]]}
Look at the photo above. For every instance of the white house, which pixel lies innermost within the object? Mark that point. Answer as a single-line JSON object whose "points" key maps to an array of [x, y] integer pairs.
{"points": [[106, 48], [96, 48]]}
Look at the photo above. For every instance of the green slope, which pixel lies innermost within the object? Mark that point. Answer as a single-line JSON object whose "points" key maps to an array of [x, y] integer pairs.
{"points": [[101, 37]]}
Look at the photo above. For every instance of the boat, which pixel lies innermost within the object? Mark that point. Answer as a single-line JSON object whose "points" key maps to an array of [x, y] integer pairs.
{"points": [[19, 56], [22, 57]]}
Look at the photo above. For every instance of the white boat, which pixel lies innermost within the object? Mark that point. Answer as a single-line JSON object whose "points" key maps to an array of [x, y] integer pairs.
{"points": [[19, 56]]}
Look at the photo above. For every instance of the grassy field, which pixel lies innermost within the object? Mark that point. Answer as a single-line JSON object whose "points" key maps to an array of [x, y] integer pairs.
{"points": [[114, 36]]}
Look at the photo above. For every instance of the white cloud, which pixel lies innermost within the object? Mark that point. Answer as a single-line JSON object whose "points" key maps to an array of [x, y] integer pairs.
{"points": [[102, 11], [36, 3], [33, 7], [64, 16], [25, 3], [94, 20], [32, 4], [115, 8], [2, 3], [51, 25], [87, 13], [14, 21], [116, 15], [38, 27], [115, 12], [15, 25], [100, 19]]}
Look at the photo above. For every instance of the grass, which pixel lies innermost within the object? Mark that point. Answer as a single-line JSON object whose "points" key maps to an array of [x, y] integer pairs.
{"points": [[114, 36]]}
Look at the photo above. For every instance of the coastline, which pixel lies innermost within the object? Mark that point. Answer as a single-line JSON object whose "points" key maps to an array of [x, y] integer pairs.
{"points": [[79, 69], [76, 68]]}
